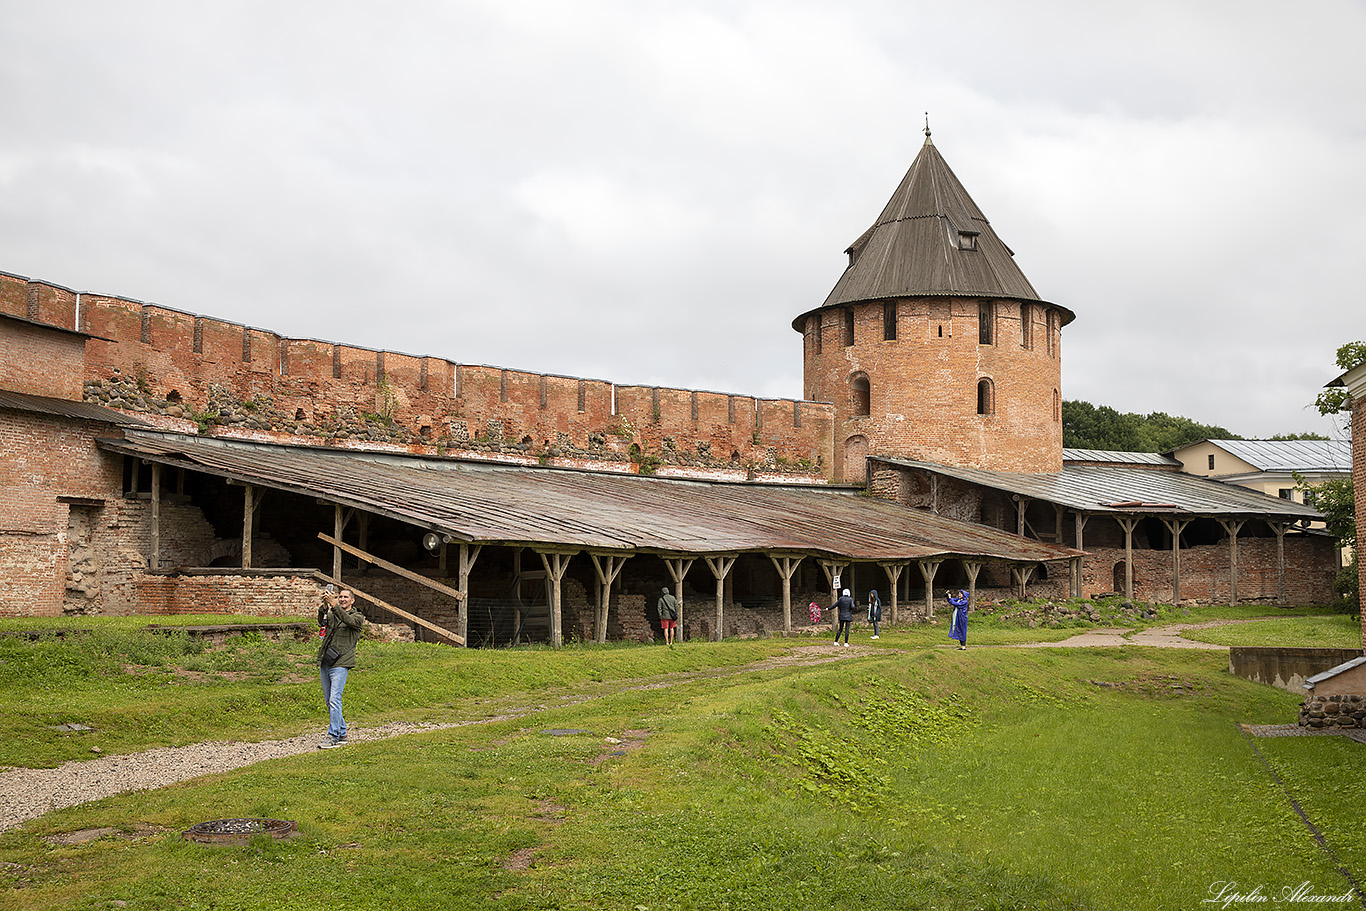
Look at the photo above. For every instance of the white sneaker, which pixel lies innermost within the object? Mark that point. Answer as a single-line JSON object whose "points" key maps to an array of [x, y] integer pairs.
{"points": [[875, 637]]}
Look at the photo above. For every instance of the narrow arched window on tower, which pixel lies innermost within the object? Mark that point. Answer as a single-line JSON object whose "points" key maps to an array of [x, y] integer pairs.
{"points": [[986, 397], [986, 322], [848, 327], [815, 324], [889, 321], [1026, 326], [862, 395]]}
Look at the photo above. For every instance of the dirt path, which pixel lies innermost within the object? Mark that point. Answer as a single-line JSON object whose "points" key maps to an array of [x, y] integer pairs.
{"points": [[1159, 636]]}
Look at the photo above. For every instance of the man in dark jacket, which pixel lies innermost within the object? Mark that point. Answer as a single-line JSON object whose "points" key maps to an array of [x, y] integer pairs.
{"points": [[845, 606], [342, 624]]}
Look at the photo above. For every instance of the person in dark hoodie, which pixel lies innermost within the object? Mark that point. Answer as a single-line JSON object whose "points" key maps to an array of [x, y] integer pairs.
{"points": [[668, 614], [874, 611], [845, 606], [341, 622]]}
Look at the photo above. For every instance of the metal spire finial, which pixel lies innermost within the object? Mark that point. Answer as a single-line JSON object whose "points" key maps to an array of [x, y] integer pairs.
{"points": [[927, 129]]}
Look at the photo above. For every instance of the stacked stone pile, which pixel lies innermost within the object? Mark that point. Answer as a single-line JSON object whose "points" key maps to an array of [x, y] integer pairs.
{"points": [[1335, 711]]}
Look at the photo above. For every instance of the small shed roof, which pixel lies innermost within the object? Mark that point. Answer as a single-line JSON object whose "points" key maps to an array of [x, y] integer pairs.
{"points": [[64, 408], [1113, 457], [1128, 490], [563, 508]]}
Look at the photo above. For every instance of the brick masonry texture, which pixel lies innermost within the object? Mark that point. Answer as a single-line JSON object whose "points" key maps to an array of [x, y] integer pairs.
{"points": [[922, 399], [215, 377]]}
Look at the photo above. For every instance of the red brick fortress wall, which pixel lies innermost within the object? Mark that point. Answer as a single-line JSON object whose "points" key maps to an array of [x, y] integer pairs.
{"points": [[922, 384], [220, 377]]}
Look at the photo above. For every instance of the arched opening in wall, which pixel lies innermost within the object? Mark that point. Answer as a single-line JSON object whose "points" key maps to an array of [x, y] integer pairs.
{"points": [[986, 396], [862, 396], [848, 327], [889, 321], [814, 324], [856, 458], [1119, 577], [1057, 407], [173, 397], [1026, 326]]}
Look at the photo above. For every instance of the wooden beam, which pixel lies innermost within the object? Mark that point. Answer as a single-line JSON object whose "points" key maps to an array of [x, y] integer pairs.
{"points": [[928, 568], [893, 571], [607, 574], [1128, 523], [555, 563], [395, 569], [384, 605], [1233, 526], [156, 516], [468, 554], [1280, 529], [786, 566], [720, 568], [678, 568]]}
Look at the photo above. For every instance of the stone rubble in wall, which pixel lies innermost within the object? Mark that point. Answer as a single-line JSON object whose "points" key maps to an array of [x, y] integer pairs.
{"points": [[224, 409], [1335, 711]]}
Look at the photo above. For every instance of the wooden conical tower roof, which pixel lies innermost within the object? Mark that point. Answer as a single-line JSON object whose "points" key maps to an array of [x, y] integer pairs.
{"points": [[930, 240]]}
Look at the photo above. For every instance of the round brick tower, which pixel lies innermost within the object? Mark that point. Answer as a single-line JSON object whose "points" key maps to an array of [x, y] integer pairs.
{"points": [[933, 346]]}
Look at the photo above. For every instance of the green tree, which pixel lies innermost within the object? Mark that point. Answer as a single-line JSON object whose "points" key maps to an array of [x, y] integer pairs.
{"points": [[1086, 426], [1336, 398]]}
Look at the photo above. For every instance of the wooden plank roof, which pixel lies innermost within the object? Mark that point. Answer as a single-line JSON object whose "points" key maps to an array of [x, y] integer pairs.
{"points": [[560, 508], [931, 239]]}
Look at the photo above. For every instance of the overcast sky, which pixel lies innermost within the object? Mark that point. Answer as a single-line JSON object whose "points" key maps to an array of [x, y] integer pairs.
{"points": [[649, 192]]}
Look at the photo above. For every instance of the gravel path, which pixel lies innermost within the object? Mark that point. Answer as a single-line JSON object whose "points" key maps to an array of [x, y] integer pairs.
{"points": [[29, 793]]}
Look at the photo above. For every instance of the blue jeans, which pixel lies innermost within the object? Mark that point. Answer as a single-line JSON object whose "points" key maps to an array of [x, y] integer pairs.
{"points": [[334, 681]]}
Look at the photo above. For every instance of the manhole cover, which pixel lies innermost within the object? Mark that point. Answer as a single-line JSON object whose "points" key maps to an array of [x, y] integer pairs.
{"points": [[238, 831]]}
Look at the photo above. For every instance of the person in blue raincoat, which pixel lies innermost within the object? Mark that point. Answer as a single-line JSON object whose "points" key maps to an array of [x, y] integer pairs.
{"points": [[958, 627]]}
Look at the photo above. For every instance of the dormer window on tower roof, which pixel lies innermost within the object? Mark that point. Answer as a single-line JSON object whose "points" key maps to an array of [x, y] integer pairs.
{"points": [[967, 240]]}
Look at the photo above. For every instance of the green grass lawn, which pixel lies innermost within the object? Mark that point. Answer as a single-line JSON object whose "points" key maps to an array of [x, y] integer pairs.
{"points": [[909, 776]]}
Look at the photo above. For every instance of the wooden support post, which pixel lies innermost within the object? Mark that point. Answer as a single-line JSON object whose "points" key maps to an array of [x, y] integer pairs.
{"points": [[678, 568], [1021, 574], [720, 568], [1080, 520], [249, 501], [1232, 526], [972, 569], [339, 518], [786, 567], [893, 571], [1021, 504], [1128, 523], [608, 567], [156, 516], [468, 554], [555, 563], [928, 569], [1176, 526]]}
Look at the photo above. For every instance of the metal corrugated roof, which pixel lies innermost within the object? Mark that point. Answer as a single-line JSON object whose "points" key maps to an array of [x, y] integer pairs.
{"points": [[1125, 490], [914, 248], [1291, 455], [586, 510], [1107, 456], [65, 408]]}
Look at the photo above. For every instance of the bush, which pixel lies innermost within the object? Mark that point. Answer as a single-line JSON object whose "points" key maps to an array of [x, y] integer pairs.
{"points": [[1348, 586]]}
